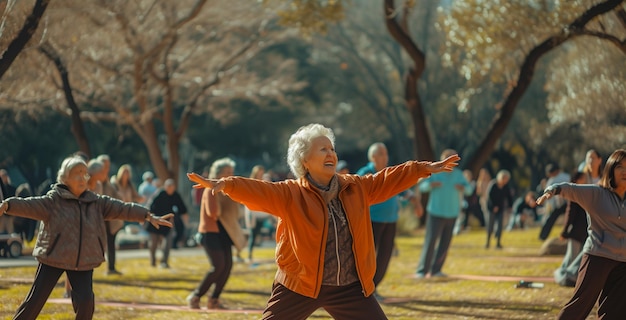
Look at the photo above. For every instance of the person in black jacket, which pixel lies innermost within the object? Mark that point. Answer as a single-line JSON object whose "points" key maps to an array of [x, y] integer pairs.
{"points": [[575, 231], [499, 200], [167, 200]]}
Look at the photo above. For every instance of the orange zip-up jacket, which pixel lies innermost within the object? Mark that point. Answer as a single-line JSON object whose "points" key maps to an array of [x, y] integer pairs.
{"points": [[303, 220]]}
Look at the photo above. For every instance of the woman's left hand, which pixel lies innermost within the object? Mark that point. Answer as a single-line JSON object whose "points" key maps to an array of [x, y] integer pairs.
{"points": [[213, 184], [445, 165], [164, 220]]}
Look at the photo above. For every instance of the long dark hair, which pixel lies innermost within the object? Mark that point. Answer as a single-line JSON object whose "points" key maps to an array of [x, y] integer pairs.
{"points": [[608, 175]]}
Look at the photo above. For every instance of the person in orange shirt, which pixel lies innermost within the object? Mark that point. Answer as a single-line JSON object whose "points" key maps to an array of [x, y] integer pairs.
{"points": [[220, 231], [325, 251]]}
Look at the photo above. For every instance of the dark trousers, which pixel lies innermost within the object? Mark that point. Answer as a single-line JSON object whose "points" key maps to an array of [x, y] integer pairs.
{"points": [[46, 279], [547, 226], [254, 233], [342, 303], [162, 241], [475, 211], [384, 235], [495, 221], [179, 237], [217, 247], [602, 277], [438, 233], [110, 247]]}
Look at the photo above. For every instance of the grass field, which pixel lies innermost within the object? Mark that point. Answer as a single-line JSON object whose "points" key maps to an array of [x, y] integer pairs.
{"points": [[157, 293]]}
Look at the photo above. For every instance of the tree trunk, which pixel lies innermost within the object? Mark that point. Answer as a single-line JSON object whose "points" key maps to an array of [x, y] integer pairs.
{"points": [[421, 141], [78, 127], [504, 116], [28, 29]]}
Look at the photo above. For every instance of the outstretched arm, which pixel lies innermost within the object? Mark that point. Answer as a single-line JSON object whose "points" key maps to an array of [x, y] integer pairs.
{"points": [[548, 193], [445, 165], [157, 221], [201, 182]]}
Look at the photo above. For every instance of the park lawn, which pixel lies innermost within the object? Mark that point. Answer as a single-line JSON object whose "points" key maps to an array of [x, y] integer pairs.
{"points": [[248, 288]]}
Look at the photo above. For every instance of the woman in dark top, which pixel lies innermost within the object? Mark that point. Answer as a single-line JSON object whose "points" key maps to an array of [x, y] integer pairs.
{"points": [[575, 231]]}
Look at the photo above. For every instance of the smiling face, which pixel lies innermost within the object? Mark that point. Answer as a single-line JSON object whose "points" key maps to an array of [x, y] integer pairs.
{"points": [[321, 160], [77, 179]]}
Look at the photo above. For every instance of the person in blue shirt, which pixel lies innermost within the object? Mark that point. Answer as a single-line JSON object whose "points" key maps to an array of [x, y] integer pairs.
{"points": [[384, 215], [444, 204]]}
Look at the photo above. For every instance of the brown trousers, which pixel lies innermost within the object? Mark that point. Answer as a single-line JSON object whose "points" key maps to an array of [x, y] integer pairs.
{"points": [[345, 302], [598, 277]]}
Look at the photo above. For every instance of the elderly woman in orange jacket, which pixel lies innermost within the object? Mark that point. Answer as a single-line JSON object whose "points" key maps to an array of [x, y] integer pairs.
{"points": [[325, 251]]}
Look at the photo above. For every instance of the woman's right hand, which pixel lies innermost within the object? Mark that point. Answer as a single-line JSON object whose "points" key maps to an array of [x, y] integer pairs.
{"points": [[547, 194], [201, 182]]}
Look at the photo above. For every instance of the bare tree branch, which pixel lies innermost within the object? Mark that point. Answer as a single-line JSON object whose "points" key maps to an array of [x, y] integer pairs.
{"points": [[28, 29]]}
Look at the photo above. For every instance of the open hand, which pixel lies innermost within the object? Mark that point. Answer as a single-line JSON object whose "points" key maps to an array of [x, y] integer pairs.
{"points": [[201, 182], [543, 198], [164, 220], [446, 164]]}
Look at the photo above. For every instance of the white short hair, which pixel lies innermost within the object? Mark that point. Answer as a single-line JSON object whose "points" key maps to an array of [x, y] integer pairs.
{"points": [[300, 145], [67, 165], [94, 166], [218, 165], [373, 148]]}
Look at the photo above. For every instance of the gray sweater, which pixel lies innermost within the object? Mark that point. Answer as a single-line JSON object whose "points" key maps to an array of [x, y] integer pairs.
{"points": [[607, 219], [72, 233]]}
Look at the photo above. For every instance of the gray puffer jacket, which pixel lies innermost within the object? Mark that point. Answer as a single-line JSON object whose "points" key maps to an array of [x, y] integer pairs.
{"points": [[72, 234]]}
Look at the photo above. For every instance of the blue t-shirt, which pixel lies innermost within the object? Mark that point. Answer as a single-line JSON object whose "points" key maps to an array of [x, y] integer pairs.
{"points": [[445, 200], [386, 211]]}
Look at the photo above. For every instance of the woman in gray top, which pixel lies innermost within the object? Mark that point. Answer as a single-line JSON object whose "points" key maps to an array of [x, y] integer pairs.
{"points": [[72, 236], [603, 268]]}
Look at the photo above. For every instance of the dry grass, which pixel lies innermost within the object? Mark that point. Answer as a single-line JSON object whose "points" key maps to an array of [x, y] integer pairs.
{"points": [[248, 288]]}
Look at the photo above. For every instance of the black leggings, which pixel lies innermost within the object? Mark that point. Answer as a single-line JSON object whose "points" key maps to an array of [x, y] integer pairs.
{"points": [[46, 279], [218, 249]]}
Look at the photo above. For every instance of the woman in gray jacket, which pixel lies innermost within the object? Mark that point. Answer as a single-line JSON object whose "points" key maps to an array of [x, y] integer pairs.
{"points": [[603, 268], [72, 236]]}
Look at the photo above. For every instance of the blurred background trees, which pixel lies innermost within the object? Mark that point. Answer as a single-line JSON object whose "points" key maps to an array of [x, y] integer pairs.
{"points": [[172, 85]]}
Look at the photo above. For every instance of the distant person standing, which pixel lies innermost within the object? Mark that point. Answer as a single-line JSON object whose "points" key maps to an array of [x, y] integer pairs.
{"points": [[167, 200], [499, 200], [575, 231], [472, 203], [555, 206], [146, 188], [256, 220], [443, 208], [592, 167], [384, 215], [220, 231]]}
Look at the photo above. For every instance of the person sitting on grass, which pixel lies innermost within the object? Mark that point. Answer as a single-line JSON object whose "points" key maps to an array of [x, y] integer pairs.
{"points": [[72, 238]]}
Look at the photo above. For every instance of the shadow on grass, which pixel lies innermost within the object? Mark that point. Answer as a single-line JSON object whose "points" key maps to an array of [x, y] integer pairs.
{"points": [[482, 310], [149, 284]]}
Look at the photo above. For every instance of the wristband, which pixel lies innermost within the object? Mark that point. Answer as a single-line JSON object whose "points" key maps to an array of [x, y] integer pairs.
{"points": [[553, 190]]}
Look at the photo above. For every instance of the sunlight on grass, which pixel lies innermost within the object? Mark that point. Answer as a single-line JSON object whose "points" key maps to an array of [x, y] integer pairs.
{"points": [[249, 287]]}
